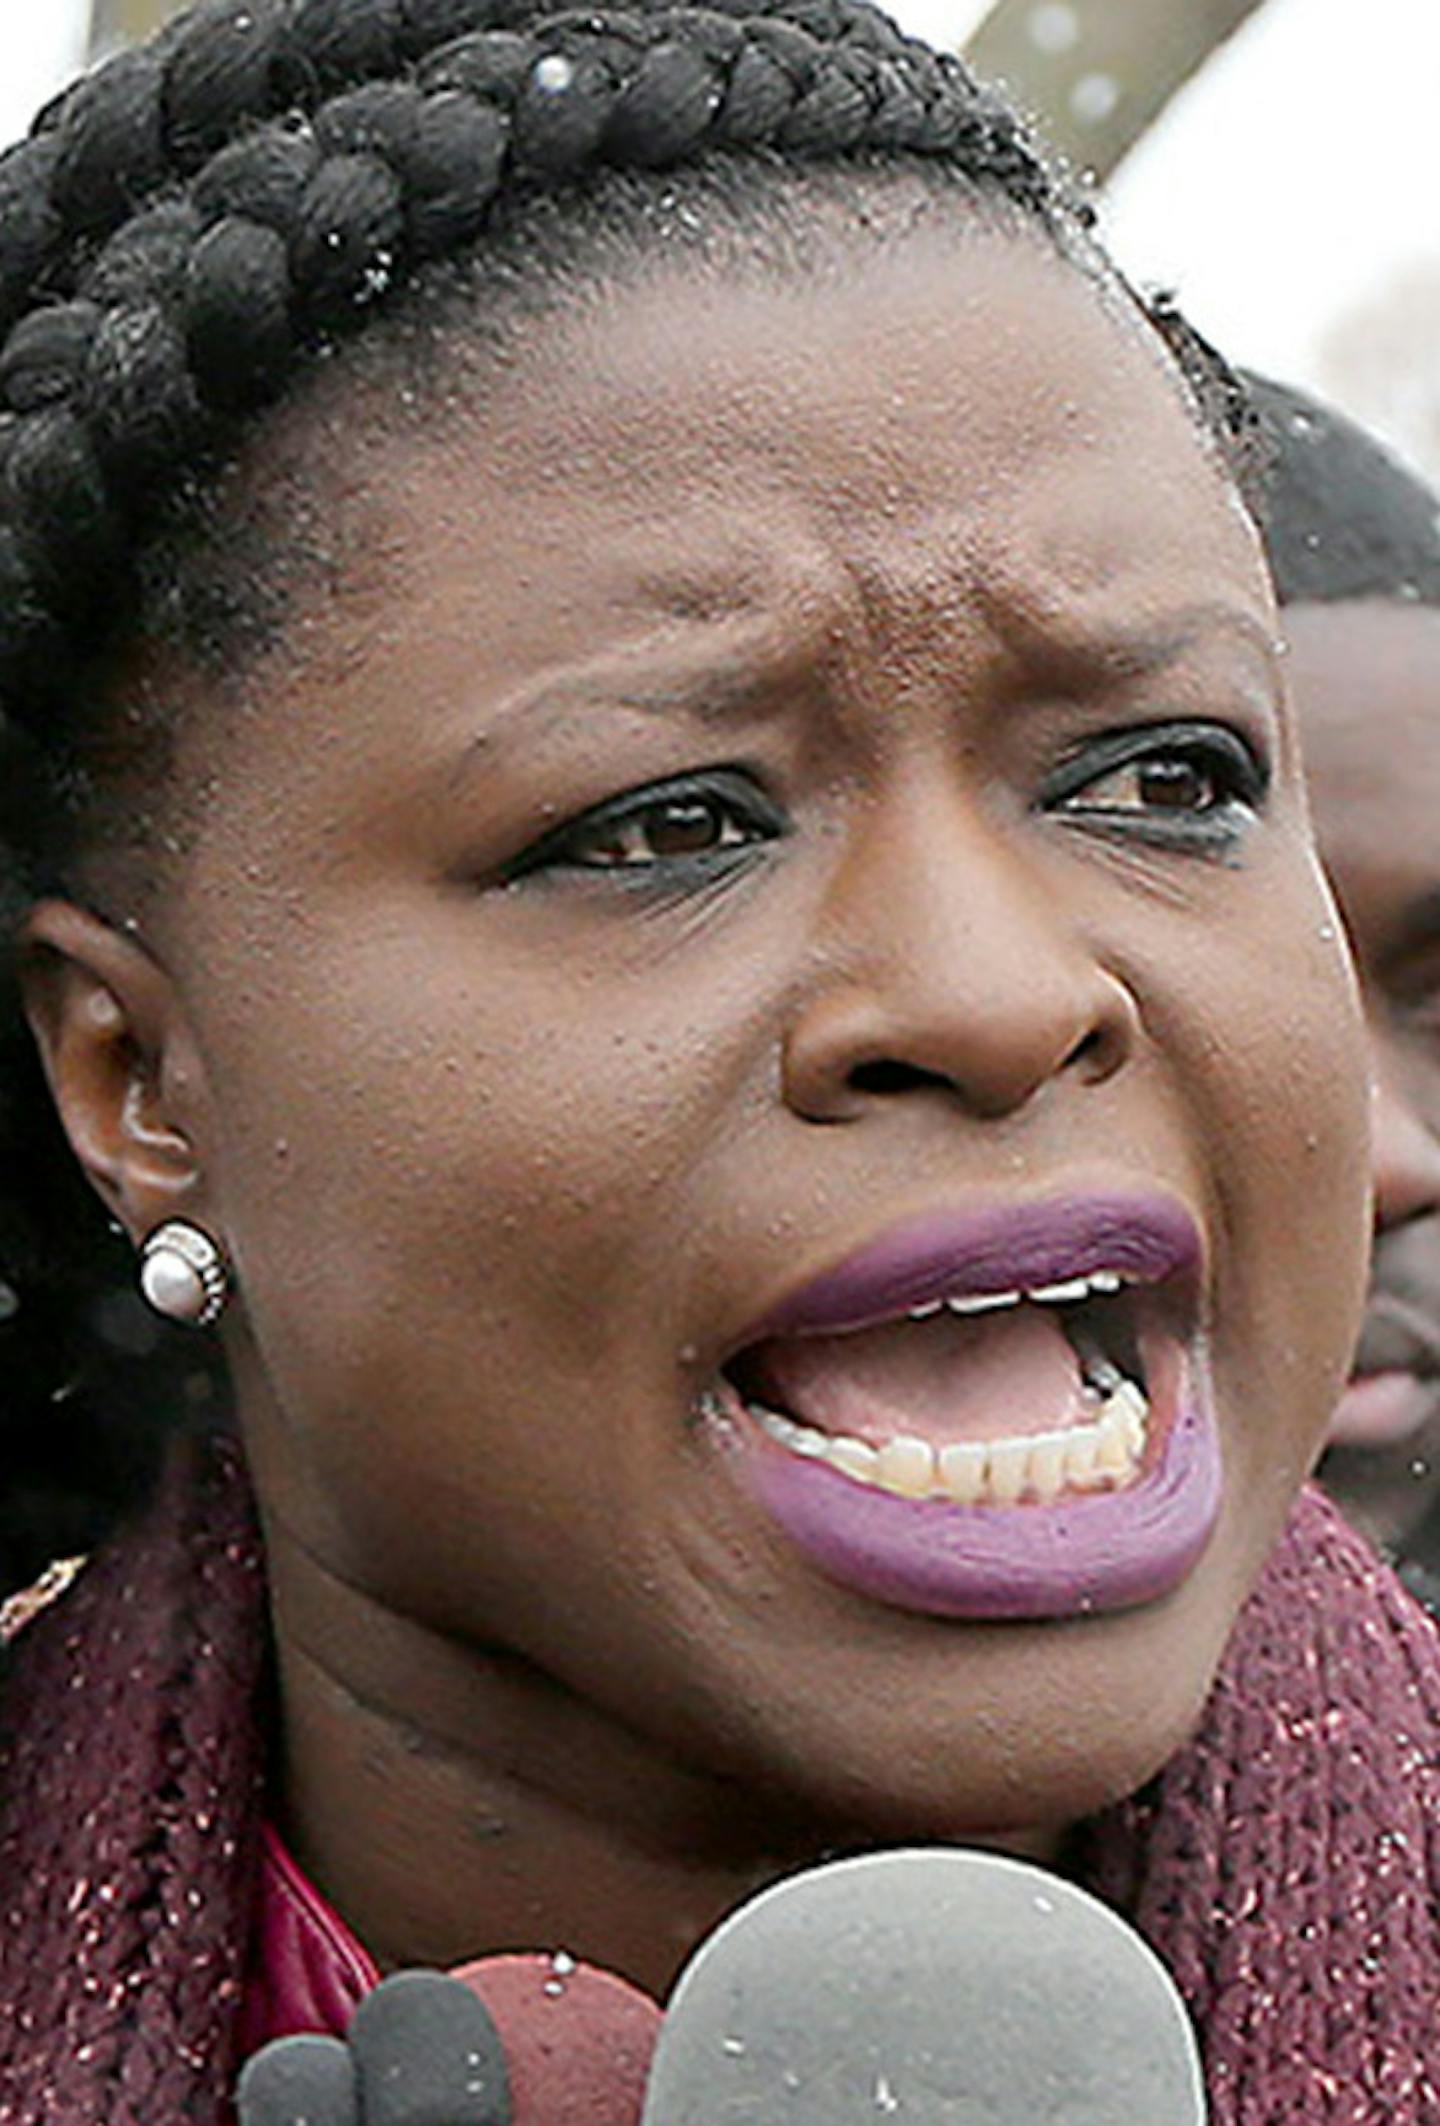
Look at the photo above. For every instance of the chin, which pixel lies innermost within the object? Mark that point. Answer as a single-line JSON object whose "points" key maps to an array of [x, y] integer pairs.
{"points": [[1025, 1734]]}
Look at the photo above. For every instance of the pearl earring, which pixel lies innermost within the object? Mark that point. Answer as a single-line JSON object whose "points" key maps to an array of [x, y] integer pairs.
{"points": [[183, 1274]]}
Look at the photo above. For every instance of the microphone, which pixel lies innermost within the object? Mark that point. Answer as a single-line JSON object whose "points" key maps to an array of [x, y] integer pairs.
{"points": [[940, 1986], [421, 2050], [512, 2040]]}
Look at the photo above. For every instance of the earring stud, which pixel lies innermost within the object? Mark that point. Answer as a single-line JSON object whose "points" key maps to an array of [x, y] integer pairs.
{"points": [[183, 1274]]}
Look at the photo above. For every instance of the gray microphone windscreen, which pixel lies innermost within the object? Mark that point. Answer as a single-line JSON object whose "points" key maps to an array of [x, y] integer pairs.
{"points": [[421, 2050], [299, 2081], [427, 2053], [936, 1986]]}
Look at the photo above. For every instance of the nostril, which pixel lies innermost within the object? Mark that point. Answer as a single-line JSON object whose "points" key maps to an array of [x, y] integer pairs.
{"points": [[1091, 1049], [889, 1076]]}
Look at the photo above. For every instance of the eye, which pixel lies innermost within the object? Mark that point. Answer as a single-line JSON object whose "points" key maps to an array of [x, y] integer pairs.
{"points": [[1173, 782], [1182, 782], [688, 825]]}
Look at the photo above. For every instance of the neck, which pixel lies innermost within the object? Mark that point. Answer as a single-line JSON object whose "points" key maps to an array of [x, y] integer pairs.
{"points": [[453, 1801]]}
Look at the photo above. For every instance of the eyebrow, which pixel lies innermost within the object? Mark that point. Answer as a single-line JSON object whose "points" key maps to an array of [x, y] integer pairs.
{"points": [[1093, 654], [717, 687], [709, 689]]}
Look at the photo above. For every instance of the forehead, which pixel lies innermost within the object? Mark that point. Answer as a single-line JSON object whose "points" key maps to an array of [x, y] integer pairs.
{"points": [[898, 451], [972, 385], [1365, 678]]}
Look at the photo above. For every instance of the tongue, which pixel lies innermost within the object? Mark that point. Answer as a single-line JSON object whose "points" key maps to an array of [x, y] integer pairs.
{"points": [[948, 1378]]}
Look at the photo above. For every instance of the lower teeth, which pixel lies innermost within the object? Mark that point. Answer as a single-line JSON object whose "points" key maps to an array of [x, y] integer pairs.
{"points": [[1101, 1455]]}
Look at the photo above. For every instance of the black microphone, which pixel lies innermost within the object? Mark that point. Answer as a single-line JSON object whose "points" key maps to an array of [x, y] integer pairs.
{"points": [[937, 1986], [420, 2051]]}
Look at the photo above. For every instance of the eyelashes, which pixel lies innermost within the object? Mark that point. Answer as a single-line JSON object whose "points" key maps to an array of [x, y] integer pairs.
{"points": [[1188, 786], [697, 825], [1195, 785]]}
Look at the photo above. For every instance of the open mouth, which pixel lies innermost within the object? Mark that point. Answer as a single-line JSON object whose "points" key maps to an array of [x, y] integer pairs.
{"points": [[993, 1414], [999, 1398]]}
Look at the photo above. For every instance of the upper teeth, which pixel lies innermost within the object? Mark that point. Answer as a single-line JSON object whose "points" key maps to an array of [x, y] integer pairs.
{"points": [[1098, 1284]]}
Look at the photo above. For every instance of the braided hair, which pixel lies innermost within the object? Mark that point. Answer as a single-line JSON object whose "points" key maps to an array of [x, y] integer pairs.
{"points": [[262, 191]]}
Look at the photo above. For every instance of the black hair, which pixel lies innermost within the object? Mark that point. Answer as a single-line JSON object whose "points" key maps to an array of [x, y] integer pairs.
{"points": [[188, 234], [1343, 518]]}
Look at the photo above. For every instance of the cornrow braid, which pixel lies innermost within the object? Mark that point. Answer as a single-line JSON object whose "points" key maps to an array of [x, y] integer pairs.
{"points": [[165, 277], [187, 229]]}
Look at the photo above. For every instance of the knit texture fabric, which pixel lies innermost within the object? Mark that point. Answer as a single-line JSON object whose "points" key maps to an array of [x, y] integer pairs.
{"points": [[1285, 1865], [129, 1804]]}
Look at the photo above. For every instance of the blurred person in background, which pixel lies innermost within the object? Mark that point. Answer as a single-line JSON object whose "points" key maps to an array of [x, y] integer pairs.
{"points": [[1354, 540]]}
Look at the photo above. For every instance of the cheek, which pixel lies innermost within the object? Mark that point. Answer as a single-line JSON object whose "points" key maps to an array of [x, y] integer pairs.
{"points": [[459, 1194], [1279, 1082]]}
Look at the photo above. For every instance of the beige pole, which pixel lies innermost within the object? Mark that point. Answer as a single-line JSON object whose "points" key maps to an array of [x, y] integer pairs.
{"points": [[1095, 74], [120, 21]]}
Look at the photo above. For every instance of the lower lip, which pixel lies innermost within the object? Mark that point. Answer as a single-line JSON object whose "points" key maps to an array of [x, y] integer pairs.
{"points": [[1081, 1556], [1381, 1410]]}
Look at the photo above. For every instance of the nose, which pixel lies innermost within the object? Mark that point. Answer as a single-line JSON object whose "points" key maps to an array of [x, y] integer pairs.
{"points": [[948, 963], [1406, 1151]]}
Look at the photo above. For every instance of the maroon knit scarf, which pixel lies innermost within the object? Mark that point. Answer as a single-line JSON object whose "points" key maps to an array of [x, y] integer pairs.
{"points": [[1285, 1865]]}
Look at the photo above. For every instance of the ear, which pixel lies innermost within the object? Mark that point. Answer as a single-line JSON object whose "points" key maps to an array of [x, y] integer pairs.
{"points": [[123, 1069]]}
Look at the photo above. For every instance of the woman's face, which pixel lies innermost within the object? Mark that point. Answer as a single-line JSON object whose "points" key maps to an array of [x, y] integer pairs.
{"points": [[788, 796]]}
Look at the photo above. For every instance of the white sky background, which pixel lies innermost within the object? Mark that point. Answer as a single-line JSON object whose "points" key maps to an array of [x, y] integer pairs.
{"points": [[42, 42], [1292, 177]]}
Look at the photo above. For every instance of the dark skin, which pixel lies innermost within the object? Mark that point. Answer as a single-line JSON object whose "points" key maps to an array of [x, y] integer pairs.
{"points": [[1366, 679], [508, 1138]]}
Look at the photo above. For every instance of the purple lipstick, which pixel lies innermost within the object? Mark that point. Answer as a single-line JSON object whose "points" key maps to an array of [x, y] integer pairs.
{"points": [[908, 1420]]}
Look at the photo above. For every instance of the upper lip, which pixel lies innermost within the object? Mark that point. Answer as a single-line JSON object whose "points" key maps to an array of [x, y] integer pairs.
{"points": [[1145, 1238]]}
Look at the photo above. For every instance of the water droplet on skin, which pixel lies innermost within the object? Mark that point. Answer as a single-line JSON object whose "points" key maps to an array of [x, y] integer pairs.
{"points": [[734, 2046], [562, 1963], [1326, 933], [1420, 1468]]}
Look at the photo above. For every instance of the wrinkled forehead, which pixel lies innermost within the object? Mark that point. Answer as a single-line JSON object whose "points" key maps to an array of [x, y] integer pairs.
{"points": [[956, 423], [969, 410]]}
